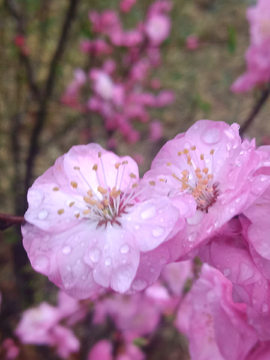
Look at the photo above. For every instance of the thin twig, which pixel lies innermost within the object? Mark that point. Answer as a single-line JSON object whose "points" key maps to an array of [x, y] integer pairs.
{"points": [[12, 7], [264, 96], [42, 113], [7, 220]]}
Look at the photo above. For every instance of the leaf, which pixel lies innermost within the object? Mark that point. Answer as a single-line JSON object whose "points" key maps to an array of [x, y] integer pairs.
{"points": [[231, 45]]}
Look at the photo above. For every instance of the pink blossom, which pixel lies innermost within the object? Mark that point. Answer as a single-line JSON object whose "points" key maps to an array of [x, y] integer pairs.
{"points": [[175, 276], [92, 191], [138, 158], [165, 98], [160, 6], [259, 19], [157, 28], [211, 163], [11, 349], [155, 84], [192, 42], [107, 22], [216, 327], [131, 352], [103, 84], [126, 5], [71, 94], [102, 350], [19, 41], [97, 47], [156, 130]]}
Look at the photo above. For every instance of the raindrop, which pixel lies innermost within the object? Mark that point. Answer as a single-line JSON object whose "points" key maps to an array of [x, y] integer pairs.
{"points": [[152, 270], [41, 264], [124, 249], [137, 227], [43, 214], [66, 250], [68, 268], [192, 236], [162, 261], [94, 255], [106, 246], [83, 277], [108, 261], [139, 285], [265, 308], [211, 136], [226, 272], [149, 213], [158, 231]]}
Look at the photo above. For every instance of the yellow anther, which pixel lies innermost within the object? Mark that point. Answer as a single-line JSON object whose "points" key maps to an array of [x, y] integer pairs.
{"points": [[193, 148], [105, 212], [180, 153], [106, 202], [77, 215], [56, 189], [205, 181], [99, 154], [95, 167], [118, 193], [74, 184], [134, 185], [60, 211], [202, 156], [117, 165], [189, 163], [185, 151], [162, 180], [87, 199], [90, 193], [188, 158], [133, 176], [210, 190], [76, 168], [205, 170], [185, 173], [199, 176], [184, 186], [212, 152], [125, 162], [198, 170], [169, 164], [102, 190], [86, 211], [100, 206], [113, 193], [210, 176], [71, 204], [152, 183]]}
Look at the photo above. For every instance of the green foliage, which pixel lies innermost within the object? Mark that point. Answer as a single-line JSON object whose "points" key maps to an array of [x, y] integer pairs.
{"points": [[231, 45]]}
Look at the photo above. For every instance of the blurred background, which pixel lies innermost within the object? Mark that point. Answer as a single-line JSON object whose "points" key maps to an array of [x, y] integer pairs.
{"points": [[45, 108]]}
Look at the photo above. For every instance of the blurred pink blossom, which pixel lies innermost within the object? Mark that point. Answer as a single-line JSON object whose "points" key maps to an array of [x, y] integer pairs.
{"points": [[96, 47], [102, 350], [156, 130], [126, 5], [157, 28], [192, 42], [11, 349]]}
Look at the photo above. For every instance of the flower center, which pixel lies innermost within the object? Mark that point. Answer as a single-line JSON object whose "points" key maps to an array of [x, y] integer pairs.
{"points": [[197, 177], [105, 204]]}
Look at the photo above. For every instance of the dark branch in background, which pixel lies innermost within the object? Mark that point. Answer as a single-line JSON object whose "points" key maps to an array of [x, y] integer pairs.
{"points": [[12, 7], [264, 96], [42, 113], [7, 220]]}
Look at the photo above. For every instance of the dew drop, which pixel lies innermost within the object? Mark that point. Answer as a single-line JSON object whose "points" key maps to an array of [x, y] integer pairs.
{"points": [[162, 261], [137, 227], [68, 268], [211, 136], [192, 236], [94, 255], [152, 270], [108, 261], [83, 277], [265, 308], [66, 250], [226, 272], [158, 231], [124, 249], [139, 285], [42, 215], [196, 218], [149, 213], [41, 264]]}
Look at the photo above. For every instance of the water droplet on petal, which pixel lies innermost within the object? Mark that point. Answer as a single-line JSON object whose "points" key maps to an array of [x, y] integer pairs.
{"points": [[211, 136], [106, 246], [152, 270], [66, 250], [108, 261], [124, 249], [83, 277], [149, 213], [226, 272], [192, 236], [265, 308], [162, 261], [41, 264], [43, 214], [139, 285], [94, 255], [137, 227], [158, 231], [68, 268], [196, 218]]}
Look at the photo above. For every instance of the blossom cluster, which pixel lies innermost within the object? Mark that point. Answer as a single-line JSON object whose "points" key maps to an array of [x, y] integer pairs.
{"points": [[258, 53], [122, 89], [95, 228]]}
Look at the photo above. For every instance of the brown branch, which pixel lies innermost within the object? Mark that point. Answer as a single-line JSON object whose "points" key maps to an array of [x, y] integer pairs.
{"points": [[7, 220], [258, 106], [42, 113], [12, 7]]}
